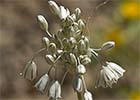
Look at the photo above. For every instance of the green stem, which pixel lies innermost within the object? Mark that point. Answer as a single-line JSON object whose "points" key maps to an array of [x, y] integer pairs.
{"points": [[84, 83], [52, 66], [64, 77], [37, 52], [79, 96], [49, 34]]}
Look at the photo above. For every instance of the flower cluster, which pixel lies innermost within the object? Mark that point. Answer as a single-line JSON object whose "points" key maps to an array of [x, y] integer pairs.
{"points": [[71, 47]]}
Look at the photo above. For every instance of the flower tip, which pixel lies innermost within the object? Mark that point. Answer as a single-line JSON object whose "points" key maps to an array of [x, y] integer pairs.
{"points": [[40, 17], [108, 45], [43, 22], [51, 2], [54, 7]]}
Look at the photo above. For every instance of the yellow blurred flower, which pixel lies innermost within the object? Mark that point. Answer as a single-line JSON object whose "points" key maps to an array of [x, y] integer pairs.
{"points": [[130, 9], [135, 95], [116, 36]]}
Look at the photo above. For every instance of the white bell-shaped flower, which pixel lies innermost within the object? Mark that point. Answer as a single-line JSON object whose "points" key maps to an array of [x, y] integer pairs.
{"points": [[87, 95], [42, 83], [55, 90], [81, 69], [119, 70], [30, 71], [78, 84], [109, 75]]}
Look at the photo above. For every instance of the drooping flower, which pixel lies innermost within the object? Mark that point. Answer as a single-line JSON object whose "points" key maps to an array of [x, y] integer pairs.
{"points": [[30, 71], [55, 90], [119, 70], [81, 69], [109, 75], [78, 84], [42, 83], [87, 95]]}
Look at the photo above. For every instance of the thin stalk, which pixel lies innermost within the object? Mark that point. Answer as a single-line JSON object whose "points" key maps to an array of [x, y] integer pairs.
{"points": [[55, 76], [49, 34], [101, 4], [33, 56], [84, 83], [97, 49], [65, 74], [79, 95], [54, 63], [37, 52], [50, 69]]}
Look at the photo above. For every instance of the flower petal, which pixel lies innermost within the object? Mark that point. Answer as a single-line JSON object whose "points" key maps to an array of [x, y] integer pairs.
{"points": [[55, 90], [42, 83]]}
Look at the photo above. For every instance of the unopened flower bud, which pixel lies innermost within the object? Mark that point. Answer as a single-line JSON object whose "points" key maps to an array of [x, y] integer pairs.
{"points": [[108, 45], [81, 69], [50, 59], [81, 46], [78, 34], [72, 41], [46, 42], [77, 13], [73, 59], [86, 61], [52, 47], [78, 84], [59, 51], [75, 49], [42, 22], [72, 31], [69, 20], [65, 43], [81, 24], [73, 17], [54, 7], [86, 42], [60, 34], [75, 26]]}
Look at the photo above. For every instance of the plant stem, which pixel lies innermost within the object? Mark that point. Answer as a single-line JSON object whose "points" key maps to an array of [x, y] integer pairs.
{"points": [[64, 77], [37, 52], [48, 33], [84, 83], [79, 96]]}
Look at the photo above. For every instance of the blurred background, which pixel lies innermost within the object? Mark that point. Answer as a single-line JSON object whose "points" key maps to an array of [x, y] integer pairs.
{"points": [[21, 36]]}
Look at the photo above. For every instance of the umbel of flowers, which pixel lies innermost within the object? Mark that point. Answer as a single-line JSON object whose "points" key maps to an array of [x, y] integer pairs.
{"points": [[71, 47]]}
